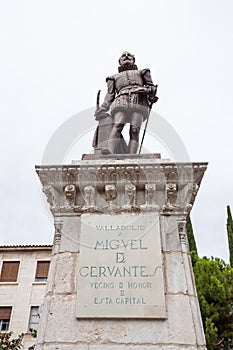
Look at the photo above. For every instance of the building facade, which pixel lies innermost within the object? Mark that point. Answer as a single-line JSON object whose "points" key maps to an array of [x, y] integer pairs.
{"points": [[23, 278]]}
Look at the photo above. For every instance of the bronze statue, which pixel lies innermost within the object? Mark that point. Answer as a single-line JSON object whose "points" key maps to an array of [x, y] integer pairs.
{"points": [[130, 96]]}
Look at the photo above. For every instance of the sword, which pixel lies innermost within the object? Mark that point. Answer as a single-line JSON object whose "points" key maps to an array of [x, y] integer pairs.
{"points": [[98, 100], [100, 115], [97, 105]]}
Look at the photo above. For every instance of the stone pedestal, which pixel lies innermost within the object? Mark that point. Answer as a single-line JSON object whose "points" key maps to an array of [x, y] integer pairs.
{"points": [[121, 275]]}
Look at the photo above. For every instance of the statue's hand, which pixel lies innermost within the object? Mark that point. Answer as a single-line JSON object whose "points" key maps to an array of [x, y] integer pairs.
{"points": [[101, 113], [100, 110], [151, 91], [153, 99]]}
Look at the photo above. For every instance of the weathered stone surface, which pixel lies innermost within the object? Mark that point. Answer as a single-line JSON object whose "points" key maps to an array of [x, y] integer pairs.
{"points": [[59, 346], [145, 347], [75, 346], [65, 273], [175, 275], [152, 188], [70, 234], [200, 337], [67, 187], [169, 234], [190, 282], [120, 156], [180, 320], [120, 270], [177, 329]]}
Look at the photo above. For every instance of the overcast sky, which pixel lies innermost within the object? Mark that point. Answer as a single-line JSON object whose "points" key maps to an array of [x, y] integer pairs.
{"points": [[55, 55]]}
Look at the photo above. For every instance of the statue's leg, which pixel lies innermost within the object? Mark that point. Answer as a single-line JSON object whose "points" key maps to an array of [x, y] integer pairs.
{"points": [[115, 134], [135, 125]]}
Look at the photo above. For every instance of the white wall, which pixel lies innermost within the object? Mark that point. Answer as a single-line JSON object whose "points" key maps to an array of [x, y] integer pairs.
{"points": [[24, 293]]}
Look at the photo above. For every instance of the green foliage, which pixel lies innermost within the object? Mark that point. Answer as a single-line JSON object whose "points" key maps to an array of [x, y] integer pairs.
{"points": [[214, 283], [6, 343], [230, 234], [211, 333], [191, 238], [33, 332]]}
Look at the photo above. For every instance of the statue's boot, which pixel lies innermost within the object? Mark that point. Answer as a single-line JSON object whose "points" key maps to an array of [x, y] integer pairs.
{"points": [[106, 151], [133, 147]]}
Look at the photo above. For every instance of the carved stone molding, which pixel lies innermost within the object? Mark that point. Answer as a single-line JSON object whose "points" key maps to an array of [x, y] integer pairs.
{"points": [[58, 224], [182, 231], [89, 198], [110, 193], [143, 184], [110, 196], [171, 189], [130, 196], [70, 194], [50, 195], [137, 172], [150, 198]]}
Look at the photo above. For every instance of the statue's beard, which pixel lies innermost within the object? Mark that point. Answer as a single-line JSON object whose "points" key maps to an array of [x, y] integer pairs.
{"points": [[127, 66]]}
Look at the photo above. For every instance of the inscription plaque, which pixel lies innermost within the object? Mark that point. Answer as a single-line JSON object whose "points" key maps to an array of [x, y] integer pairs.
{"points": [[120, 271]]}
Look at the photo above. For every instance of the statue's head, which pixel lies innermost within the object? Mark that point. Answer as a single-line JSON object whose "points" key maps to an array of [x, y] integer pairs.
{"points": [[126, 58]]}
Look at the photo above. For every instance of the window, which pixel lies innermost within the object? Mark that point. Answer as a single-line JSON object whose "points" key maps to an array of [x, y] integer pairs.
{"points": [[5, 316], [34, 318], [9, 271], [42, 270]]}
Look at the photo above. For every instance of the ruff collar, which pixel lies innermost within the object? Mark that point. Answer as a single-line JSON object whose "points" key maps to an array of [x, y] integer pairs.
{"points": [[127, 67]]}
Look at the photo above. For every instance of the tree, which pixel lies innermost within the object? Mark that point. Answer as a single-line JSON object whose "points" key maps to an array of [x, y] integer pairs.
{"points": [[230, 234], [6, 343], [214, 283], [191, 238]]}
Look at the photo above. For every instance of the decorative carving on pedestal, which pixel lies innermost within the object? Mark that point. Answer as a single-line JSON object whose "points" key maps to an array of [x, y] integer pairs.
{"points": [[150, 195], [141, 185], [89, 198], [130, 197], [110, 196], [191, 190], [182, 231], [172, 176], [138, 201], [68, 176], [49, 192], [58, 223], [171, 193], [150, 198], [70, 194]]}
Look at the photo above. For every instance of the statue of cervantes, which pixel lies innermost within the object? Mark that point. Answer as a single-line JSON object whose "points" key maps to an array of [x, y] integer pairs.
{"points": [[130, 95]]}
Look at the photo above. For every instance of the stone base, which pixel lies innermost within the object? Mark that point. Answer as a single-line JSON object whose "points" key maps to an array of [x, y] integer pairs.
{"points": [[121, 156], [161, 191], [75, 346]]}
